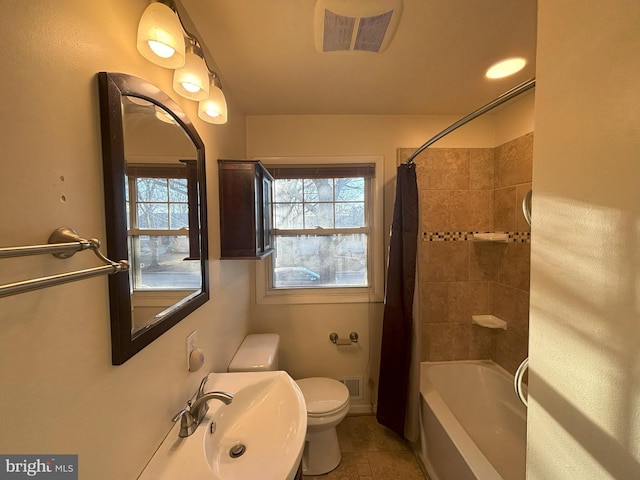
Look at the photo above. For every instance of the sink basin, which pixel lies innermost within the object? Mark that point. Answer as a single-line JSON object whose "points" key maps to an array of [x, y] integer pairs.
{"points": [[267, 417]]}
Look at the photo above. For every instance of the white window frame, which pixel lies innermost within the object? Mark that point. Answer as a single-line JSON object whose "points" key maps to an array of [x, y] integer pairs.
{"points": [[265, 294]]}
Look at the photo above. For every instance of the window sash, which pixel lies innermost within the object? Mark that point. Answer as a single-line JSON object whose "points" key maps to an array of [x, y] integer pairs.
{"points": [[320, 231], [138, 232], [332, 271], [189, 275]]}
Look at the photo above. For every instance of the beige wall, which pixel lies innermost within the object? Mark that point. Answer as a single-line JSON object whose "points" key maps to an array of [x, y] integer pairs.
{"points": [[304, 329], [584, 407], [514, 118], [60, 393]]}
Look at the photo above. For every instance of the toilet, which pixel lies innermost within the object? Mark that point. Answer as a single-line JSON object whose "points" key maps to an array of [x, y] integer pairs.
{"points": [[327, 402]]}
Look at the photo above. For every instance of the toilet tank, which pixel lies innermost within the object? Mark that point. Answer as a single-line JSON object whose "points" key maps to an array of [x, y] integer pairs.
{"points": [[257, 353]]}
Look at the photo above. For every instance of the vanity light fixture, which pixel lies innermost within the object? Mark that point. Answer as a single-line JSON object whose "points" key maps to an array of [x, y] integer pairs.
{"points": [[214, 108], [161, 36], [161, 40], [505, 68], [192, 80]]}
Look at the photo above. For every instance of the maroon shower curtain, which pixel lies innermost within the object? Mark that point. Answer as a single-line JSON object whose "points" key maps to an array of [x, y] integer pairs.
{"points": [[395, 356]]}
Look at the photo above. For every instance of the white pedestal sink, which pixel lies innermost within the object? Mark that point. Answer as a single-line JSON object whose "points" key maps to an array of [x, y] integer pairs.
{"points": [[267, 417]]}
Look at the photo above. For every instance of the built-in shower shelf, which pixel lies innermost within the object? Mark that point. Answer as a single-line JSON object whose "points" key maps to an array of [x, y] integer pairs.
{"points": [[488, 321], [491, 237]]}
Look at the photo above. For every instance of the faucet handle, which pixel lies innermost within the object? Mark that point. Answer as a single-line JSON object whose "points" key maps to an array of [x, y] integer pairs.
{"points": [[180, 414], [188, 424]]}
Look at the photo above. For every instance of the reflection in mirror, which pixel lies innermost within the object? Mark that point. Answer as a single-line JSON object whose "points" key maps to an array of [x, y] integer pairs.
{"points": [[160, 160], [155, 202]]}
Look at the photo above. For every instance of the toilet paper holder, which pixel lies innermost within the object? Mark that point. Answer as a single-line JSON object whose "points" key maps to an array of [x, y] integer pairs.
{"points": [[353, 338]]}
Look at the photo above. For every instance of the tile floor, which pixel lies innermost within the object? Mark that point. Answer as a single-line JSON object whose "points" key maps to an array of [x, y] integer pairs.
{"points": [[372, 452]]}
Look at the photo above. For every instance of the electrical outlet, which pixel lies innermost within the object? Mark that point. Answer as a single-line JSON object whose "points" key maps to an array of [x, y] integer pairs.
{"points": [[191, 344]]}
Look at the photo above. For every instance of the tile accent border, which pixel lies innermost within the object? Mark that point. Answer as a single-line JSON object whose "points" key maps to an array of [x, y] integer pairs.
{"points": [[515, 237]]}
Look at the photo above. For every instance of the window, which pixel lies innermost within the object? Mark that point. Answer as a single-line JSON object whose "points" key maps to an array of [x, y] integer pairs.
{"points": [[323, 219], [158, 199]]}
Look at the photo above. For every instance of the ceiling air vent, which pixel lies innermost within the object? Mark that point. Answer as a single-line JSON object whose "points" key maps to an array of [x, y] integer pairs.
{"points": [[356, 25]]}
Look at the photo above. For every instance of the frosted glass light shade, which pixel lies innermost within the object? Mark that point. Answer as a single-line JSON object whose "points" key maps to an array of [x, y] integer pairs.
{"points": [[214, 109], [192, 80], [160, 36]]}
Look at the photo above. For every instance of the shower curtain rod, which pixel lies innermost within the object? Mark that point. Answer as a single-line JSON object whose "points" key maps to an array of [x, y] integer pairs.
{"points": [[514, 92]]}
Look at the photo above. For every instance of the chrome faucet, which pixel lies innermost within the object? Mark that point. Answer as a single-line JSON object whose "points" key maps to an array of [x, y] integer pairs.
{"points": [[191, 416]]}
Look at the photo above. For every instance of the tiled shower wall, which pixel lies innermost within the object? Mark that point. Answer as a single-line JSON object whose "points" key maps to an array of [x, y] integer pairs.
{"points": [[466, 190]]}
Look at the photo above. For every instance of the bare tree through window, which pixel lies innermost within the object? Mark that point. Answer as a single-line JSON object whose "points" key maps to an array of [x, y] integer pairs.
{"points": [[321, 232]]}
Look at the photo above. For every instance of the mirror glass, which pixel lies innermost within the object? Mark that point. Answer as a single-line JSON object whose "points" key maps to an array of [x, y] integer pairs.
{"points": [[155, 206]]}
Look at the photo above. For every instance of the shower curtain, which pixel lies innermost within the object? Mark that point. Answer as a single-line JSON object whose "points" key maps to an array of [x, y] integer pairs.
{"points": [[395, 382]]}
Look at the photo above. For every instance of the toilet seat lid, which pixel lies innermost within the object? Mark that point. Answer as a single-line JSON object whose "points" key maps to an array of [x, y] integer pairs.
{"points": [[323, 395]]}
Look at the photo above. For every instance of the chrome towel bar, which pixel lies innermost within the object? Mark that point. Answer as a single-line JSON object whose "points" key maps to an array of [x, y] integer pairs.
{"points": [[63, 243]]}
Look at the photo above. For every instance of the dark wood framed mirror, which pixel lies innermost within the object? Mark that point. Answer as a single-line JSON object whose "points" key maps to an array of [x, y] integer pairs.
{"points": [[156, 217]]}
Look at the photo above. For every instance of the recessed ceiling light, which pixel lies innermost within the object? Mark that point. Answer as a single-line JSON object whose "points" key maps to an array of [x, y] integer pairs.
{"points": [[504, 68]]}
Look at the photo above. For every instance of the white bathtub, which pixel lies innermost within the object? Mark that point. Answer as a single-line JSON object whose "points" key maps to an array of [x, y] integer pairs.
{"points": [[472, 425]]}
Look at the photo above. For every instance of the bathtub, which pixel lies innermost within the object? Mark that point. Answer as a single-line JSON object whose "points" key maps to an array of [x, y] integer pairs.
{"points": [[472, 425]]}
